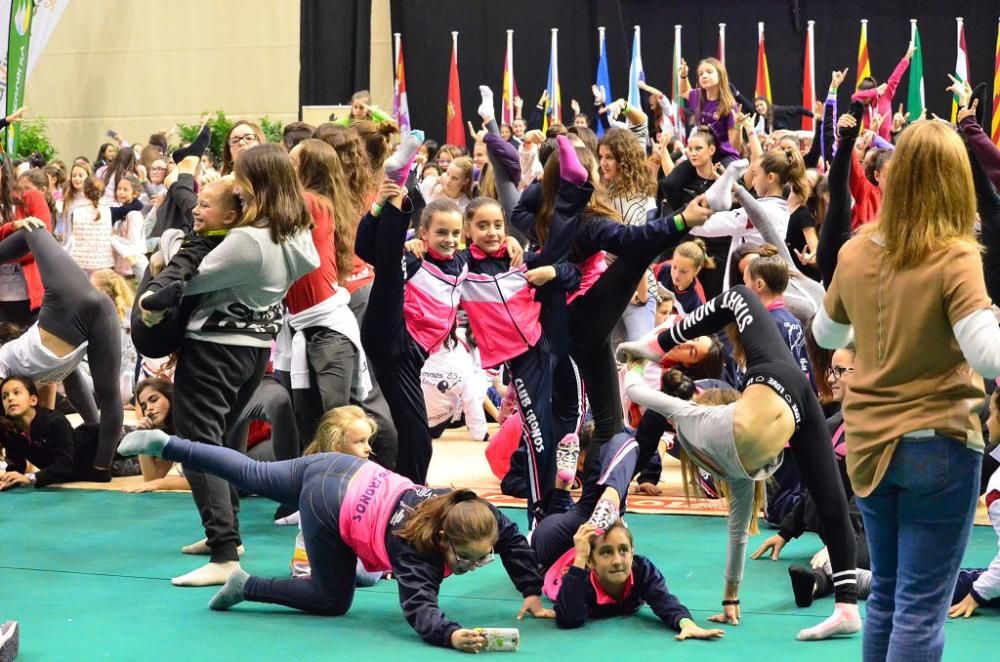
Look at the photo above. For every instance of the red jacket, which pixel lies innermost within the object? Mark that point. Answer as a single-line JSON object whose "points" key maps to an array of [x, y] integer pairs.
{"points": [[319, 284], [867, 196], [32, 203]]}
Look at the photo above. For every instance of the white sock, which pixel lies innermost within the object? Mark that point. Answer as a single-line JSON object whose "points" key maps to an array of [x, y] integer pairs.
{"points": [[201, 547], [720, 194], [290, 520], [844, 620], [231, 592], [210, 574], [648, 347], [144, 442], [486, 109], [397, 166]]}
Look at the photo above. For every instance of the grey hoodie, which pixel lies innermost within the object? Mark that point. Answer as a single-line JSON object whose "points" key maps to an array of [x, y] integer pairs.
{"points": [[244, 280]]}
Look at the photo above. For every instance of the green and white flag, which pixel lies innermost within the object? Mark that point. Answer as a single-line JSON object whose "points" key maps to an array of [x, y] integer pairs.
{"points": [[915, 100], [18, 43]]}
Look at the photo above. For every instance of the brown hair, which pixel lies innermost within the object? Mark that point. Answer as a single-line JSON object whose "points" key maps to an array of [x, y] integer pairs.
{"points": [[40, 181], [376, 140], [467, 167], [598, 206], [618, 525], [633, 177], [353, 158], [68, 193], [227, 151], [93, 189], [696, 251], [789, 168], [461, 515], [271, 192], [771, 269], [444, 205], [917, 218], [329, 437], [727, 103], [322, 174], [296, 132]]}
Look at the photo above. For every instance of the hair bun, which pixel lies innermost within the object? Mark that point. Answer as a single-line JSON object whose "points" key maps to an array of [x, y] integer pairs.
{"points": [[677, 384]]}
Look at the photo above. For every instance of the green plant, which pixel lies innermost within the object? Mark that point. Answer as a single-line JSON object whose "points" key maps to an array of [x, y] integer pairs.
{"points": [[220, 125], [271, 128], [32, 139]]}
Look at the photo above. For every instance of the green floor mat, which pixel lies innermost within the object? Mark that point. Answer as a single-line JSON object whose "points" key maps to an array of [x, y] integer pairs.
{"points": [[87, 575]]}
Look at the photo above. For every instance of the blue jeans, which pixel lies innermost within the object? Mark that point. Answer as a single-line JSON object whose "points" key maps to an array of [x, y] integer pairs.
{"points": [[639, 319], [918, 521]]}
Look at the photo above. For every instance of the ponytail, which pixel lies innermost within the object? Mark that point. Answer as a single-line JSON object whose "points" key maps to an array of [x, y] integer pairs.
{"points": [[462, 516], [696, 251], [790, 169]]}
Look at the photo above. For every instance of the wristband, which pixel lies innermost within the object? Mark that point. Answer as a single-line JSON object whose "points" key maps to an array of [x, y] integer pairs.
{"points": [[32, 478], [731, 603], [376, 209], [679, 222]]}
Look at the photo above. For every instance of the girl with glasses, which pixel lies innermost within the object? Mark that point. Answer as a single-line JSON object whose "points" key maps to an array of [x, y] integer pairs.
{"points": [[353, 509]]}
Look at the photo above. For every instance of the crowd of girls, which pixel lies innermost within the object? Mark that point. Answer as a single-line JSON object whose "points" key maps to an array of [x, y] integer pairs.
{"points": [[763, 285]]}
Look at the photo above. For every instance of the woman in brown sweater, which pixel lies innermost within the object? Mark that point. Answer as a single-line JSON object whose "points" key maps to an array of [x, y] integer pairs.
{"points": [[912, 287]]}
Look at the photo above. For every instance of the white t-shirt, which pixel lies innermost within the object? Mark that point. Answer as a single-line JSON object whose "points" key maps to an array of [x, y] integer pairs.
{"points": [[29, 357], [452, 385]]}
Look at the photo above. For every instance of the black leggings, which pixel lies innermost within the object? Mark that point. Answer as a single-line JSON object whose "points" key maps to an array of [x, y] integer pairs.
{"points": [[394, 356], [593, 316], [988, 203], [770, 362], [76, 313], [836, 228]]}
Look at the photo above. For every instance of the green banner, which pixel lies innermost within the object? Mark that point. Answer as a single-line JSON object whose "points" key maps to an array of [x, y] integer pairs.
{"points": [[21, 13]]}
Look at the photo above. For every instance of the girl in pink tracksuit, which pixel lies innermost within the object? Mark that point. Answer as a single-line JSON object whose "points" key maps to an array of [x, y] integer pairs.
{"points": [[508, 309], [353, 509]]}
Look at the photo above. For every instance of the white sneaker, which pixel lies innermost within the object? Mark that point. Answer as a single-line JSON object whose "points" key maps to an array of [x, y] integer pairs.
{"points": [[9, 641]]}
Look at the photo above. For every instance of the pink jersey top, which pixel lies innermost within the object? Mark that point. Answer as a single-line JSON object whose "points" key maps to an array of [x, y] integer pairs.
{"points": [[370, 500], [591, 269]]}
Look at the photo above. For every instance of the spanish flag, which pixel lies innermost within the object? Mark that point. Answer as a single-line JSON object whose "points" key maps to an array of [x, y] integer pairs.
{"points": [[763, 88], [864, 65]]}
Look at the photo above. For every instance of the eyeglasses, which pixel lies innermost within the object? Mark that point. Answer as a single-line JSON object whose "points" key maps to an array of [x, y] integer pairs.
{"points": [[157, 168], [248, 139], [837, 372], [463, 563]]}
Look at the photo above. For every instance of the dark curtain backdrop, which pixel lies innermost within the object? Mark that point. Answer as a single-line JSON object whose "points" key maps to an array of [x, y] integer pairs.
{"points": [[426, 25], [334, 50]]}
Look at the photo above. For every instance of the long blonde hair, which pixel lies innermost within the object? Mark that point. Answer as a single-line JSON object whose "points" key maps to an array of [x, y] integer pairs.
{"points": [[917, 218], [689, 474], [117, 289], [329, 437]]}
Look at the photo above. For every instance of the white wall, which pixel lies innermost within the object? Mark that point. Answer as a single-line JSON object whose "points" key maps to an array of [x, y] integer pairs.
{"points": [[139, 66]]}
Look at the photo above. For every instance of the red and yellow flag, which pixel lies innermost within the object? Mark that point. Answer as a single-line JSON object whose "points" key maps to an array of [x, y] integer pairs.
{"points": [[864, 69], [455, 134], [763, 87]]}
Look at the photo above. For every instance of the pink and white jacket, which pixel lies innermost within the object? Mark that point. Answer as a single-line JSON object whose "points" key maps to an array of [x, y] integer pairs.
{"points": [[501, 304], [431, 297]]}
